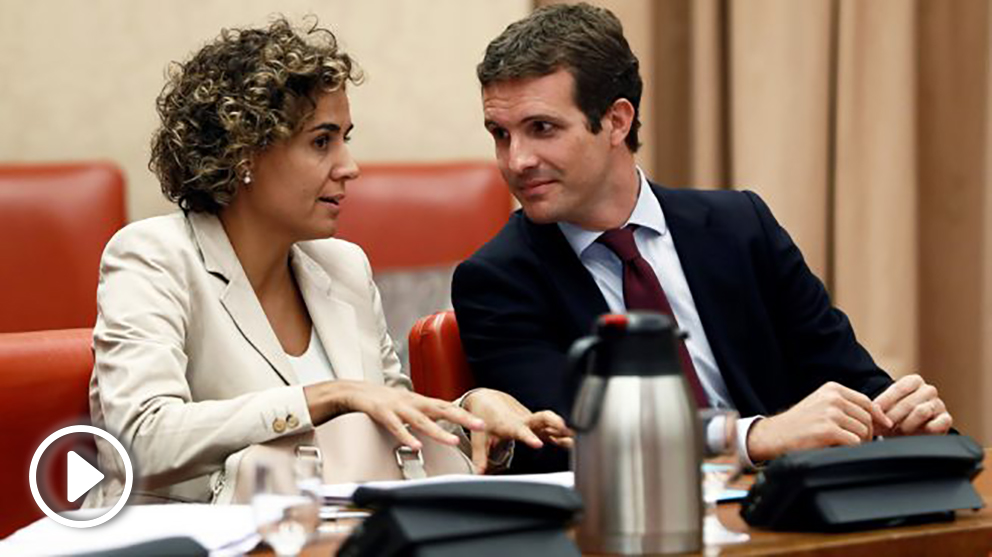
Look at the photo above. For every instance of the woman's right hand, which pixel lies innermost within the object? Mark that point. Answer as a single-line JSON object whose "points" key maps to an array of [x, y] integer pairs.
{"points": [[391, 407]]}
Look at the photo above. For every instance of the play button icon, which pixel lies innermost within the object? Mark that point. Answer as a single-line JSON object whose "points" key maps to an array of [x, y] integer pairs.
{"points": [[81, 476]]}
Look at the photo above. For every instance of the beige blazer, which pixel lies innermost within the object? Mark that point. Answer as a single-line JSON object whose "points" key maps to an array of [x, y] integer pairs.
{"points": [[188, 370]]}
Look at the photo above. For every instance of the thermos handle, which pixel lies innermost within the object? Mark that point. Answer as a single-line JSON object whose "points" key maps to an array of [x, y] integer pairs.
{"points": [[578, 369]]}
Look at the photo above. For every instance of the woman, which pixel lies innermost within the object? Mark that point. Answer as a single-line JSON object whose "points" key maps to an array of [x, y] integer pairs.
{"points": [[237, 320]]}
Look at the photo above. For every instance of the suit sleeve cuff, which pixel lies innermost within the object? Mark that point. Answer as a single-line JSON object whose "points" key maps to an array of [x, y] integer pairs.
{"points": [[289, 413]]}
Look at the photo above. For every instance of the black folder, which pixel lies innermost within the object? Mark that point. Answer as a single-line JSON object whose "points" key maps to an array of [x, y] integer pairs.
{"points": [[476, 518]]}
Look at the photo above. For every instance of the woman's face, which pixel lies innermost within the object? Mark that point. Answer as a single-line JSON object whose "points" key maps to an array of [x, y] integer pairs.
{"points": [[298, 184]]}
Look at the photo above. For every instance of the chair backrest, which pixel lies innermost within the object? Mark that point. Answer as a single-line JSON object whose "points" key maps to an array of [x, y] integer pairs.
{"points": [[44, 386], [421, 215], [55, 220], [438, 367]]}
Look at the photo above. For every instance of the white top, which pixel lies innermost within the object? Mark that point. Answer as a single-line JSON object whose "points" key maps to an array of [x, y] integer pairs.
{"points": [[657, 247], [313, 366]]}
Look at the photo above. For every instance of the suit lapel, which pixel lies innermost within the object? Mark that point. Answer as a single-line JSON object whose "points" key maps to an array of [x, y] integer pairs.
{"points": [[577, 288], [238, 297], [335, 321], [710, 264]]}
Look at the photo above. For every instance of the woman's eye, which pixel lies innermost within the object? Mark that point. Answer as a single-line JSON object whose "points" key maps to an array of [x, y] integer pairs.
{"points": [[347, 138], [321, 142]]}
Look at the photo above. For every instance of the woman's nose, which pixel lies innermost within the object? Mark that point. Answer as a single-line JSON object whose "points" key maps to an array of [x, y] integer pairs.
{"points": [[346, 169]]}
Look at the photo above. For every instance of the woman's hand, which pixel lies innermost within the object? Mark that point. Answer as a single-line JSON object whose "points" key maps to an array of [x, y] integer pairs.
{"points": [[505, 419], [390, 407]]}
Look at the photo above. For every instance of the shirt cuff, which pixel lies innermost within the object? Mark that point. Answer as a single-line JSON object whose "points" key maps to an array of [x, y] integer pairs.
{"points": [[743, 428]]}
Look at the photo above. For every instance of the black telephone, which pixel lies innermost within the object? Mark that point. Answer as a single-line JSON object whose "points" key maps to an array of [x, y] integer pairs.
{"points": [[880, 484], [478, 518]]}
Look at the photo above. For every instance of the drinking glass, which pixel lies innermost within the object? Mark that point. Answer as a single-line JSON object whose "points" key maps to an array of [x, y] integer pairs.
{"points": [[285, 515], [719, 428], [309, 477], [723, 466]]}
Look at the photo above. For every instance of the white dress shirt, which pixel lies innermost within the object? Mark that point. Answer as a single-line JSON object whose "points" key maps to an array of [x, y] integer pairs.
{"points": [[657, 247]]}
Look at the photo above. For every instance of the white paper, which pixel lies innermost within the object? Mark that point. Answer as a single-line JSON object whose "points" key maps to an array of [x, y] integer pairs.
{"points": [[343, 492], [222, 529]]}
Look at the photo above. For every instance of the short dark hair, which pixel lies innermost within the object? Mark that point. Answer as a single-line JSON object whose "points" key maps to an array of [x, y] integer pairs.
{"points": [[585, 40], [235, 97]]}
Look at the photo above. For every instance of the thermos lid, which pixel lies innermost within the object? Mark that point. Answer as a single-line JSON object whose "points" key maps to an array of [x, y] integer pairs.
{"points": [[640, 343], [635, 322]]}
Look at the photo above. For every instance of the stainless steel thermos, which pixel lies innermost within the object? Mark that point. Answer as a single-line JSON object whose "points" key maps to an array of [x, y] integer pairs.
{"points": [[638, 446]]}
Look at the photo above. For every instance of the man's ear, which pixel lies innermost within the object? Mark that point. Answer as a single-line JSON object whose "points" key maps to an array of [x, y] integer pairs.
{"points": [[619, 117]]}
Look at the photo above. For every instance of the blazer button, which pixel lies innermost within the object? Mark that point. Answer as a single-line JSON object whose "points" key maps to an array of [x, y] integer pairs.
{"points": [[278, 425], [292, 421]]}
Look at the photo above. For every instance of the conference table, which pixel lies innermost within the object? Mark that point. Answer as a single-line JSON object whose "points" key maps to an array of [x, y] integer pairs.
{"points": [[969, 534]]}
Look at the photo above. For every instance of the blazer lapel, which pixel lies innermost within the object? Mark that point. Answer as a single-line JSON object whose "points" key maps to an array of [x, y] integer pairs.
{"points": [[581, 295], [335, 321], [710, 263], [238, 297]]}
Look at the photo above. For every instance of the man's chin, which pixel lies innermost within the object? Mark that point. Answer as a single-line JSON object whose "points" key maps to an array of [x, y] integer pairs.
{"points": [[539, 214]]}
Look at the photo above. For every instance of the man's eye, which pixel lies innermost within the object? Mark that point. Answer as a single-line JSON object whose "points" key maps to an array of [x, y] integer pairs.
{"points": [[543, 127], [498, 133]]}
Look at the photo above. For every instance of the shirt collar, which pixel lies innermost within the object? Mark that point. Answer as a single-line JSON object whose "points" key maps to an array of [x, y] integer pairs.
{"points": [[647, 214]]}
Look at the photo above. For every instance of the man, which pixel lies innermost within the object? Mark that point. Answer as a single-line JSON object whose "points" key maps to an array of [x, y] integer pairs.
{"points": [[560, 91]]}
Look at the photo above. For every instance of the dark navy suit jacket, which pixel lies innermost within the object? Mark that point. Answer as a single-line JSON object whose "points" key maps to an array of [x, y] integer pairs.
{"points": [[524, 297]]}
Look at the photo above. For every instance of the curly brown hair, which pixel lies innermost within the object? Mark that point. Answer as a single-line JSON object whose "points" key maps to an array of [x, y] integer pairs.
{"points": [[236, 96]]}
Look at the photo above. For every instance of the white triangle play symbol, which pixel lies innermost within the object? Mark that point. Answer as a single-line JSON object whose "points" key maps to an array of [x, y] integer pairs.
{"points": [[80, 476]]}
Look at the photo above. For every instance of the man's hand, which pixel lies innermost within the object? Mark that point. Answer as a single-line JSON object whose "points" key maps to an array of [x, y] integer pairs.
{"points": [[507, 419], [914, 407], [832, 415]]}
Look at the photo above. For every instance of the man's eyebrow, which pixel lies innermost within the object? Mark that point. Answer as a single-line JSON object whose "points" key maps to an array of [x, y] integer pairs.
{"points": [[541, 117], [534, 117]]}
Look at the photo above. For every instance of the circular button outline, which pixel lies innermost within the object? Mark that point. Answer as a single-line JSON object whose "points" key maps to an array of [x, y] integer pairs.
{"points": [[33, 479]]}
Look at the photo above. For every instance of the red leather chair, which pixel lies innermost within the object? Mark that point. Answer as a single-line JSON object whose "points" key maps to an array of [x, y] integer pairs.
{"points": [[54, 222], [421, 215], [44, 386], [438, 366]]}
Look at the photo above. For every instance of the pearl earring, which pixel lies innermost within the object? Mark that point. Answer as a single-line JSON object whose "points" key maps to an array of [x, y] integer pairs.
{"points": [[247, 178]]}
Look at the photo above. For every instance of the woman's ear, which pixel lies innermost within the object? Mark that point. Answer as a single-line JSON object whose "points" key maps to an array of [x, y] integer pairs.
{"points": [[620, 117], [243, 171]]}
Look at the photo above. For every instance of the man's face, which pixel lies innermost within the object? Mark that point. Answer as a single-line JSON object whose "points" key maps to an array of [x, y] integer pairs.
{"points": [[554, 165]]}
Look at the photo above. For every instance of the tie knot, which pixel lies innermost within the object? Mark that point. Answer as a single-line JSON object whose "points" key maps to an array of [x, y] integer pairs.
{"points": [[621, 242]]}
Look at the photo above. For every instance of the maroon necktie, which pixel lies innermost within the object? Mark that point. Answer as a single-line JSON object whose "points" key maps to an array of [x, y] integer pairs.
{"points": [[641, 290]]}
